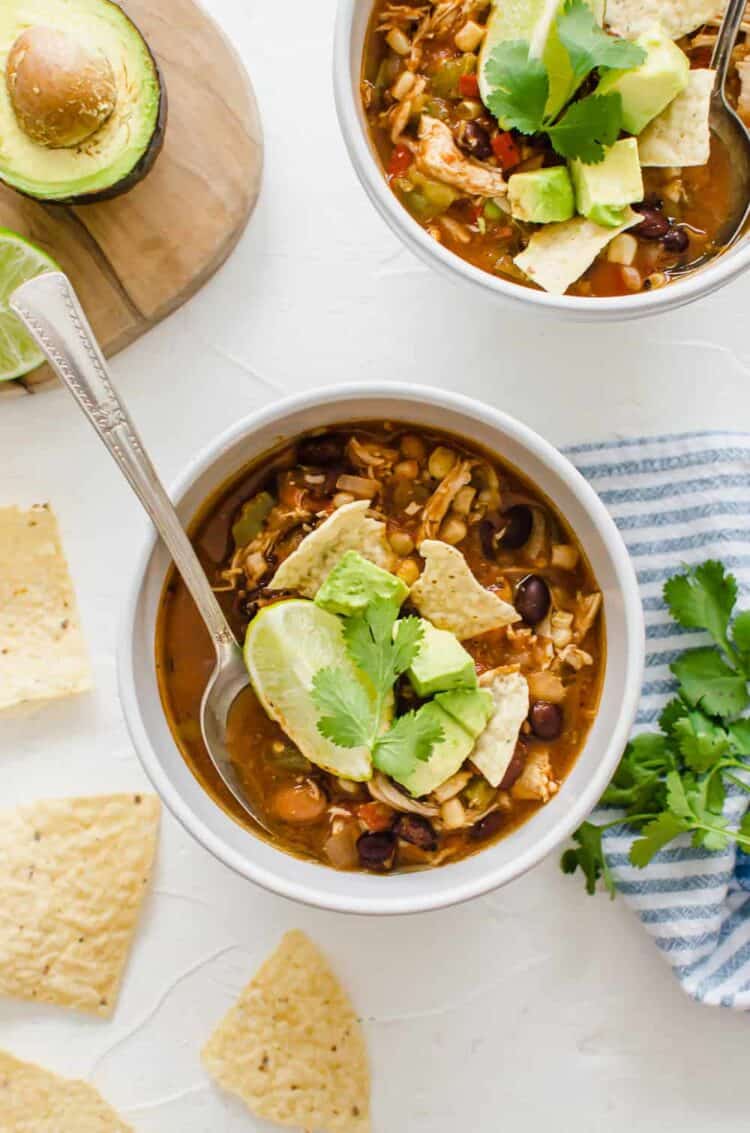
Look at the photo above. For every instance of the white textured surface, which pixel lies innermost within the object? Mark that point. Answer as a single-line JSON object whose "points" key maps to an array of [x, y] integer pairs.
{"points": [[532, 1009]]}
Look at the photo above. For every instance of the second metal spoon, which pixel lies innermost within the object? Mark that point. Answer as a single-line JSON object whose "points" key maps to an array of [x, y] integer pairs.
{"points": [[49, 308]]}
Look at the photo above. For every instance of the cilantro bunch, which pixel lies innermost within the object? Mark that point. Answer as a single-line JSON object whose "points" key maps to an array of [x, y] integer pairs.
{"points": [[674, 781], [382, 647], [521, 86]]}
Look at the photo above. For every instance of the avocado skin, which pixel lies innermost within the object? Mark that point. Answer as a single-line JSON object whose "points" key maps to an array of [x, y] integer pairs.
{"points": [[144, 163]]}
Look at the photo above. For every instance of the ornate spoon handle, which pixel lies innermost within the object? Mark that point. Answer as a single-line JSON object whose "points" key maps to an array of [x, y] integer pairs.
{"points": [[50, 310]]}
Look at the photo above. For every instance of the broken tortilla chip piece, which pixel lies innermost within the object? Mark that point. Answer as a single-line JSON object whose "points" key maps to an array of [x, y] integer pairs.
{"points": [[630, 18], [34, 1100], [292, 1047], [449, 596], [349, 528], [680, 135], [42, 652], [73, 874], [558, 254], [496, 744]]}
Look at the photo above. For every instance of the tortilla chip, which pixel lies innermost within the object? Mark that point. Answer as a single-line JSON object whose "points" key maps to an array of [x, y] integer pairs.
{"points": [[496, 744], [42, 652], [631, 18], [558, 254], [680, 135], [34, 1100], [349, 528], [292, 1047], [73, 874], [449, 596]]}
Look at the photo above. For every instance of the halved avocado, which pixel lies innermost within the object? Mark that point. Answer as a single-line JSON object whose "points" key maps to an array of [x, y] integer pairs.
{"points": [[82, 101]]}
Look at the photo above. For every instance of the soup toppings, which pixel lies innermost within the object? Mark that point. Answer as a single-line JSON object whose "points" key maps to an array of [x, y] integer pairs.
{"points": [[540, 144], [421, 634]]}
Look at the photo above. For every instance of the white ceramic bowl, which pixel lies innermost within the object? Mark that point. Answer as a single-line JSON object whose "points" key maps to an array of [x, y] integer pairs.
{"points": [[351, 27], [493, 866]]}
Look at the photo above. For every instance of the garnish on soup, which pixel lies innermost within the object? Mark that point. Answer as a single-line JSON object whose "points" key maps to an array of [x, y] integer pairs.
{"points": [[546, 144], [423, 638]]}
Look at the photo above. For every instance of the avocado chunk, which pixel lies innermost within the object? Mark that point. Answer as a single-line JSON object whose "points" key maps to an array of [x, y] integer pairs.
{"points": [[82, 102], [604, 191], [354, 583], [648, 89], [469, 707], [446, 757], [541, 196], [441, 663]]}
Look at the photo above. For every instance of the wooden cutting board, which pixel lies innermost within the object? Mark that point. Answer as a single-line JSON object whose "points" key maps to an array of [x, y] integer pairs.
{"points": [[136, 259]]}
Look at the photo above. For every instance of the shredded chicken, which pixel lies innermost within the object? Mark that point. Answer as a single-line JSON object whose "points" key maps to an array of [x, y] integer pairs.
{"points": [[537, 780], [253, 559], [439, 157], [401, 16], [587, 610], [561, 628], [440, 19], [436, 508], [575, 657], [537, 542], [384, 791], [370, 457], [399, 115]]}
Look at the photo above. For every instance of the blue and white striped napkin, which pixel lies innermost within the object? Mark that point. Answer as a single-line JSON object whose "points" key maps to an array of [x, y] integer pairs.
{"points": [[682, 499]]}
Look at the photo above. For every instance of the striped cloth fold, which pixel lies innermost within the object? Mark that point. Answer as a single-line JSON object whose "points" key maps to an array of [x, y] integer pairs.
{"points": [[681, 499]]}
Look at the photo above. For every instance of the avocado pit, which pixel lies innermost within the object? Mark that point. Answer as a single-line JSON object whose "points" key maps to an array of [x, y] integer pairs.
{"points": [[61, 91]]}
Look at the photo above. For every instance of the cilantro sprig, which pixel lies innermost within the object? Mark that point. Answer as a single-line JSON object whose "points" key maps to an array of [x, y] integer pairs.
{"points": [[520, 86], [674, 781], [350, 715]]}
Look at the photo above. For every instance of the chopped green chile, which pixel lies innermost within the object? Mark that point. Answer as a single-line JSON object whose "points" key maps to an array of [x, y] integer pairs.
{"points": [[251, 518]]}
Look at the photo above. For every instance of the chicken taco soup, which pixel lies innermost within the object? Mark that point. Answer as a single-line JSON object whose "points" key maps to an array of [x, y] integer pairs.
{"points": [[564, 146], [424, 639]]}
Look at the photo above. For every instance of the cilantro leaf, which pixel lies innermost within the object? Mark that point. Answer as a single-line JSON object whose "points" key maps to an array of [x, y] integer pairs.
{"points": [[739, 734], [702, 743], [588, 856], [347, 716], [409, 635], [520, 87], [741, 635], [703, 598], [369, 642], [587, 127], [672, 711], [410, 739], [709, 683], [638, 782], [589, 46], [655, 835]]}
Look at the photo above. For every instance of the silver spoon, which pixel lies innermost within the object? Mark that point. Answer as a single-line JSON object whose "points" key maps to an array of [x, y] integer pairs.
{"points": [[49, 308], [731, 130]]}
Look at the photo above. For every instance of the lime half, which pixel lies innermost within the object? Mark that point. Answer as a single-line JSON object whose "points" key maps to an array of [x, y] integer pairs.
{"points": [[535, 22], [19, 262], [285, 646]]}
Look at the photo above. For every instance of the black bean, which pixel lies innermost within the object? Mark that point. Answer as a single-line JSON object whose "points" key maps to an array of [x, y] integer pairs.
{"points": [[676, 239], [474, 140], [488, 826], [654, 224], [546, 720], [418, 830], [519, 522], [533, 599], [321, 451], [515, 767], [377, 851]]}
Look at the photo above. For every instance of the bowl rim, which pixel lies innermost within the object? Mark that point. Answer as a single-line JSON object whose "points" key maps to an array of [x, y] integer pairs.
{"points": [[347, 52], [626, 587]]}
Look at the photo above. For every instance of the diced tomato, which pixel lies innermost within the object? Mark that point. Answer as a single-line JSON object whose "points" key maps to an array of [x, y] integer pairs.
{"points": [[468, 86], [376, 816], [506, 150], [401, 159]]}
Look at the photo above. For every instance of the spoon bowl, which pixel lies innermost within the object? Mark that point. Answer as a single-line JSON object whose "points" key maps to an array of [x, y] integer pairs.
{"points": [[49, 308], [726, 125]]}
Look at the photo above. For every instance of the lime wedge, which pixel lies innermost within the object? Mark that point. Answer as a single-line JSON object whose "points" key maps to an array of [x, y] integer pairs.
{"points": [[19, 262], [533, 21], [285, 646]]}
